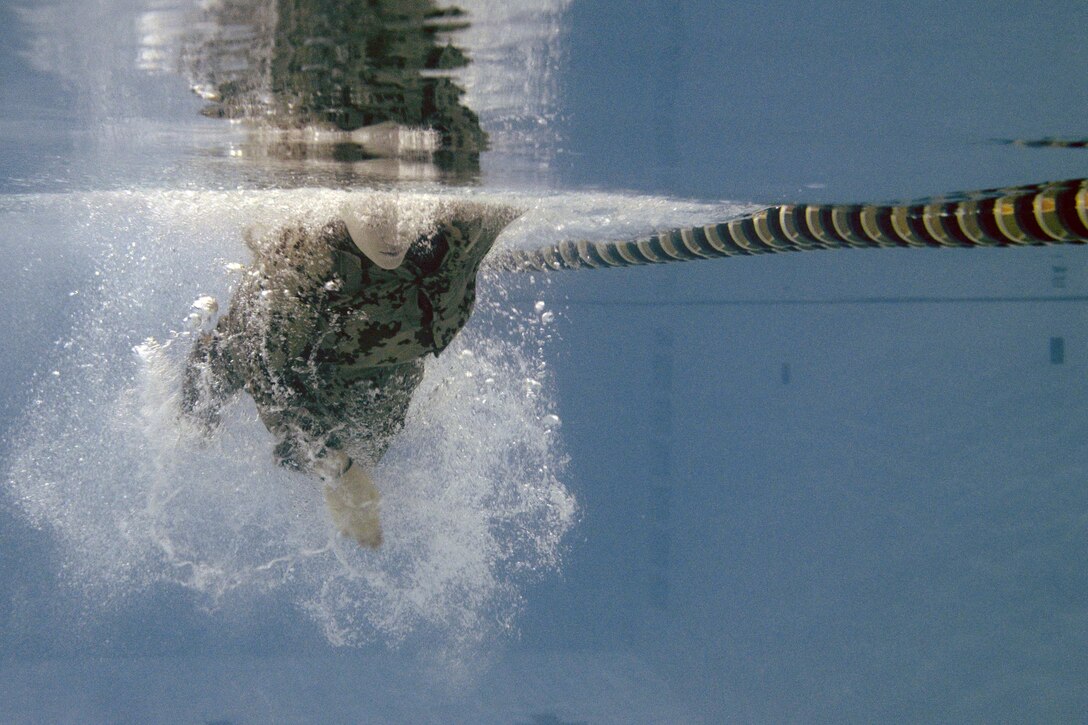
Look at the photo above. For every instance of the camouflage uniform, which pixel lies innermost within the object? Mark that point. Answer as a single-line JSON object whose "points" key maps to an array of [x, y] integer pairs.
{"points": [[331, 346]]}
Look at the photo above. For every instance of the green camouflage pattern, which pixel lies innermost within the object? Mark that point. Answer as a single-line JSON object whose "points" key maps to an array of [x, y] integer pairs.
{"points": [[329, 345], [343, 64]]}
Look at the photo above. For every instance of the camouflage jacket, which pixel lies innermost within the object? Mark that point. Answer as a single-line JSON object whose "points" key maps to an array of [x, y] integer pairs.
{"points": [[314, 309]]}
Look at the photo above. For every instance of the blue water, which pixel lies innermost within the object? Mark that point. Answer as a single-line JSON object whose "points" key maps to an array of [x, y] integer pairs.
{"points": [[844, 486]]}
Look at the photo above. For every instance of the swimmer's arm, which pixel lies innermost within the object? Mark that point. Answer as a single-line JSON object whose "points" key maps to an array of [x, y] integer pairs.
{"points": [[211, 375], [473, 228]]}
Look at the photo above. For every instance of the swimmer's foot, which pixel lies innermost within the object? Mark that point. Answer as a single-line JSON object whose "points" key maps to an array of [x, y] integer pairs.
{"points": [[353, 502]]}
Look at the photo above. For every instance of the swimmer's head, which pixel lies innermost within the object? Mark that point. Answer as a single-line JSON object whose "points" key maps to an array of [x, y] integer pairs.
{"points": [[383, 226], [376, 229]]}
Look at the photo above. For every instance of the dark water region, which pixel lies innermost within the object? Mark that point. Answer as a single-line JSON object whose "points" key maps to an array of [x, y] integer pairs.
{"points": [[329, 93], [341, 66]]}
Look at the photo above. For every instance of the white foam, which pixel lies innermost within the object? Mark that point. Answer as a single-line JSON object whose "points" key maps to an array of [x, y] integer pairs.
{"points": [[474, 505]]}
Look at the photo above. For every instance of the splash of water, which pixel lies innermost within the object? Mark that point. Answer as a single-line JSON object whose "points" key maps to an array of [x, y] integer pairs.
{"points": [[473, 501]]}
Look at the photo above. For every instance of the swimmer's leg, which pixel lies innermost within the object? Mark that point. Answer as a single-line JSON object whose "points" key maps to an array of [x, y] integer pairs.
{"points": [[352, 499]]}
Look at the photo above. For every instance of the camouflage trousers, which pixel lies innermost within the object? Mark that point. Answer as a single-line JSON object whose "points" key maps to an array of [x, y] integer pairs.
{"points": [[310, 411]]}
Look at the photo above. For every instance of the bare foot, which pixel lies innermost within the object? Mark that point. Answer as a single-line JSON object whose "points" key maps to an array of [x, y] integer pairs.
{"points": [[353, 502]]}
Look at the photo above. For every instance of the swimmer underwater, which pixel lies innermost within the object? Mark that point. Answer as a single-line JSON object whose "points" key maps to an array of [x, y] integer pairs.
{"points": [[328, 333]]}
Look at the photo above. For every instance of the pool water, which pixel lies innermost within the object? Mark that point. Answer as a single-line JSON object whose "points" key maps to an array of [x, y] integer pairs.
{"points": [[845, 486]]}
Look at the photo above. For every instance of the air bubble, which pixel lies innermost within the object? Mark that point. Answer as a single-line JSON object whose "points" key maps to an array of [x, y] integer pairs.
{"points": [[466, 506]]}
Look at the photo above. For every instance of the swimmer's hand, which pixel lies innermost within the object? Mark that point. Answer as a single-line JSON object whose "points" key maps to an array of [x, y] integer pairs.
{"points": [[353, 502]]}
